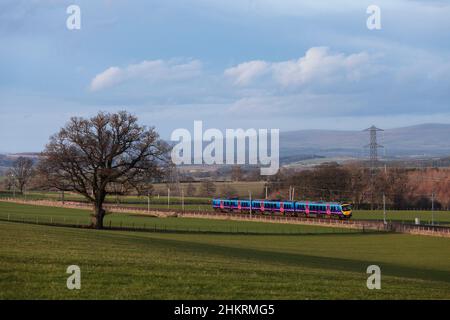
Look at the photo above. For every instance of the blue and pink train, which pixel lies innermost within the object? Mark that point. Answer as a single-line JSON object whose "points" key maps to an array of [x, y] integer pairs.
{"points": [[287, 208]]}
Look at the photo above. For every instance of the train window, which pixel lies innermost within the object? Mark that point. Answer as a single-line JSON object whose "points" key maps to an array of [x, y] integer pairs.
{"points": [[346, 207]]}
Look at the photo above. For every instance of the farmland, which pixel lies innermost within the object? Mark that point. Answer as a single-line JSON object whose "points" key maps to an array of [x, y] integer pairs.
{"points": [[275, 262], [204, 204]]}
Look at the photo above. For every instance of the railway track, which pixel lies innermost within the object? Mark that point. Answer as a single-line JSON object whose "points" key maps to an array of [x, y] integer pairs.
{"points": [[352, 224]]}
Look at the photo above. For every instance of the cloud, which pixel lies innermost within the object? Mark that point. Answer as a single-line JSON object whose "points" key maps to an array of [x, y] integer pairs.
{"points": [[245, 72], [317, 66], [149, 70]]}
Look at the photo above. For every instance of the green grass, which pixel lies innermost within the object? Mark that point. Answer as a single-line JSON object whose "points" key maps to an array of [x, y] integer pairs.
{"points": [[202, 204], [43, 214], [133, 265], [440, 217], [241, 187], [68, 196]]}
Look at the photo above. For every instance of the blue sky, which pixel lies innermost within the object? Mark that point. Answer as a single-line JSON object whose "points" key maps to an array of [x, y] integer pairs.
{"points": [[284, 64]]}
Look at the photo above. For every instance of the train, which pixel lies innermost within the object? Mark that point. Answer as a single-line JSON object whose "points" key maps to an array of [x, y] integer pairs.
{"points": [[286, 208]]}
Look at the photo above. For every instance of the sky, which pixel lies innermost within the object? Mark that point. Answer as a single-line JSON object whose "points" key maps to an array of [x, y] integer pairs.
{"points": [[284, 64]]}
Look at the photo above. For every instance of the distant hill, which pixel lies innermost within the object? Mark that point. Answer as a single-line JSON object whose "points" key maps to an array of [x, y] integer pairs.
{"points": [[424, 140], [6, 160], [420, 141]]}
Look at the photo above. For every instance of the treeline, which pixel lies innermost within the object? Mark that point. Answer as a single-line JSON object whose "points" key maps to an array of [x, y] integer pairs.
{"points": [[402, 188]]}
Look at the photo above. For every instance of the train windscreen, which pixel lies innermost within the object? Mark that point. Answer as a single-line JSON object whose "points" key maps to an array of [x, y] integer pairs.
{"points": [[346, 207]]}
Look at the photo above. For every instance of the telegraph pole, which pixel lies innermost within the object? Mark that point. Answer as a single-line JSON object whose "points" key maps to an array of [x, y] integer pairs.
{"points": [[168, 198], [250, 196], [148, 201], [14, 184], [182, 199], [432, 209]]}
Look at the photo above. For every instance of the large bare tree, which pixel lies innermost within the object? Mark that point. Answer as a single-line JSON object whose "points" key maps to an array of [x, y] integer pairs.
{"points": [[21, 172], [90, 156]]}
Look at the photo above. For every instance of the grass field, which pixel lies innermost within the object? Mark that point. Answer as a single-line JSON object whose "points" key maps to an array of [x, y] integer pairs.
{"points": [[426, 217], [132, 200], [241, 187], [42, 214], [312, 263], [198, 204]]}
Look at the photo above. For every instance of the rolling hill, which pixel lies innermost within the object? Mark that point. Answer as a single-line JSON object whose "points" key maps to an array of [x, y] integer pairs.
{"points": [[425, 140]]}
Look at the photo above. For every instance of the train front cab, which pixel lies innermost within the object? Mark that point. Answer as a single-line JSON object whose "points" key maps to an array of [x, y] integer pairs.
{"points": [[347, 210]]}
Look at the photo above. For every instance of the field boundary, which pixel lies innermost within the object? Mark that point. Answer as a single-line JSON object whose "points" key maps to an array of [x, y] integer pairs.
{"points": [[437, 231], [355, 224], [164, 228], [85, 206]]}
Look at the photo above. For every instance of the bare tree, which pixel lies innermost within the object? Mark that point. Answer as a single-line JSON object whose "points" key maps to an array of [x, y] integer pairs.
{"points": [[22, 171], [87, 156]]}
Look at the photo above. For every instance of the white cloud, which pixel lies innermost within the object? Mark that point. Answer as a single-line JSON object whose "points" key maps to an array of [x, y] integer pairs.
{"points": [[153, 70], [245, 72], [107, 78], [318, 66]]}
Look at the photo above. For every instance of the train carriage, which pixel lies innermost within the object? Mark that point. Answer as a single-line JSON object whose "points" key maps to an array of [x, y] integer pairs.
{"points": [[286, 208]]}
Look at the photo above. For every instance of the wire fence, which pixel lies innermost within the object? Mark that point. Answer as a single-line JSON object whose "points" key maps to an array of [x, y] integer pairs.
{"points": [[126, 224], [123, 225]]}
